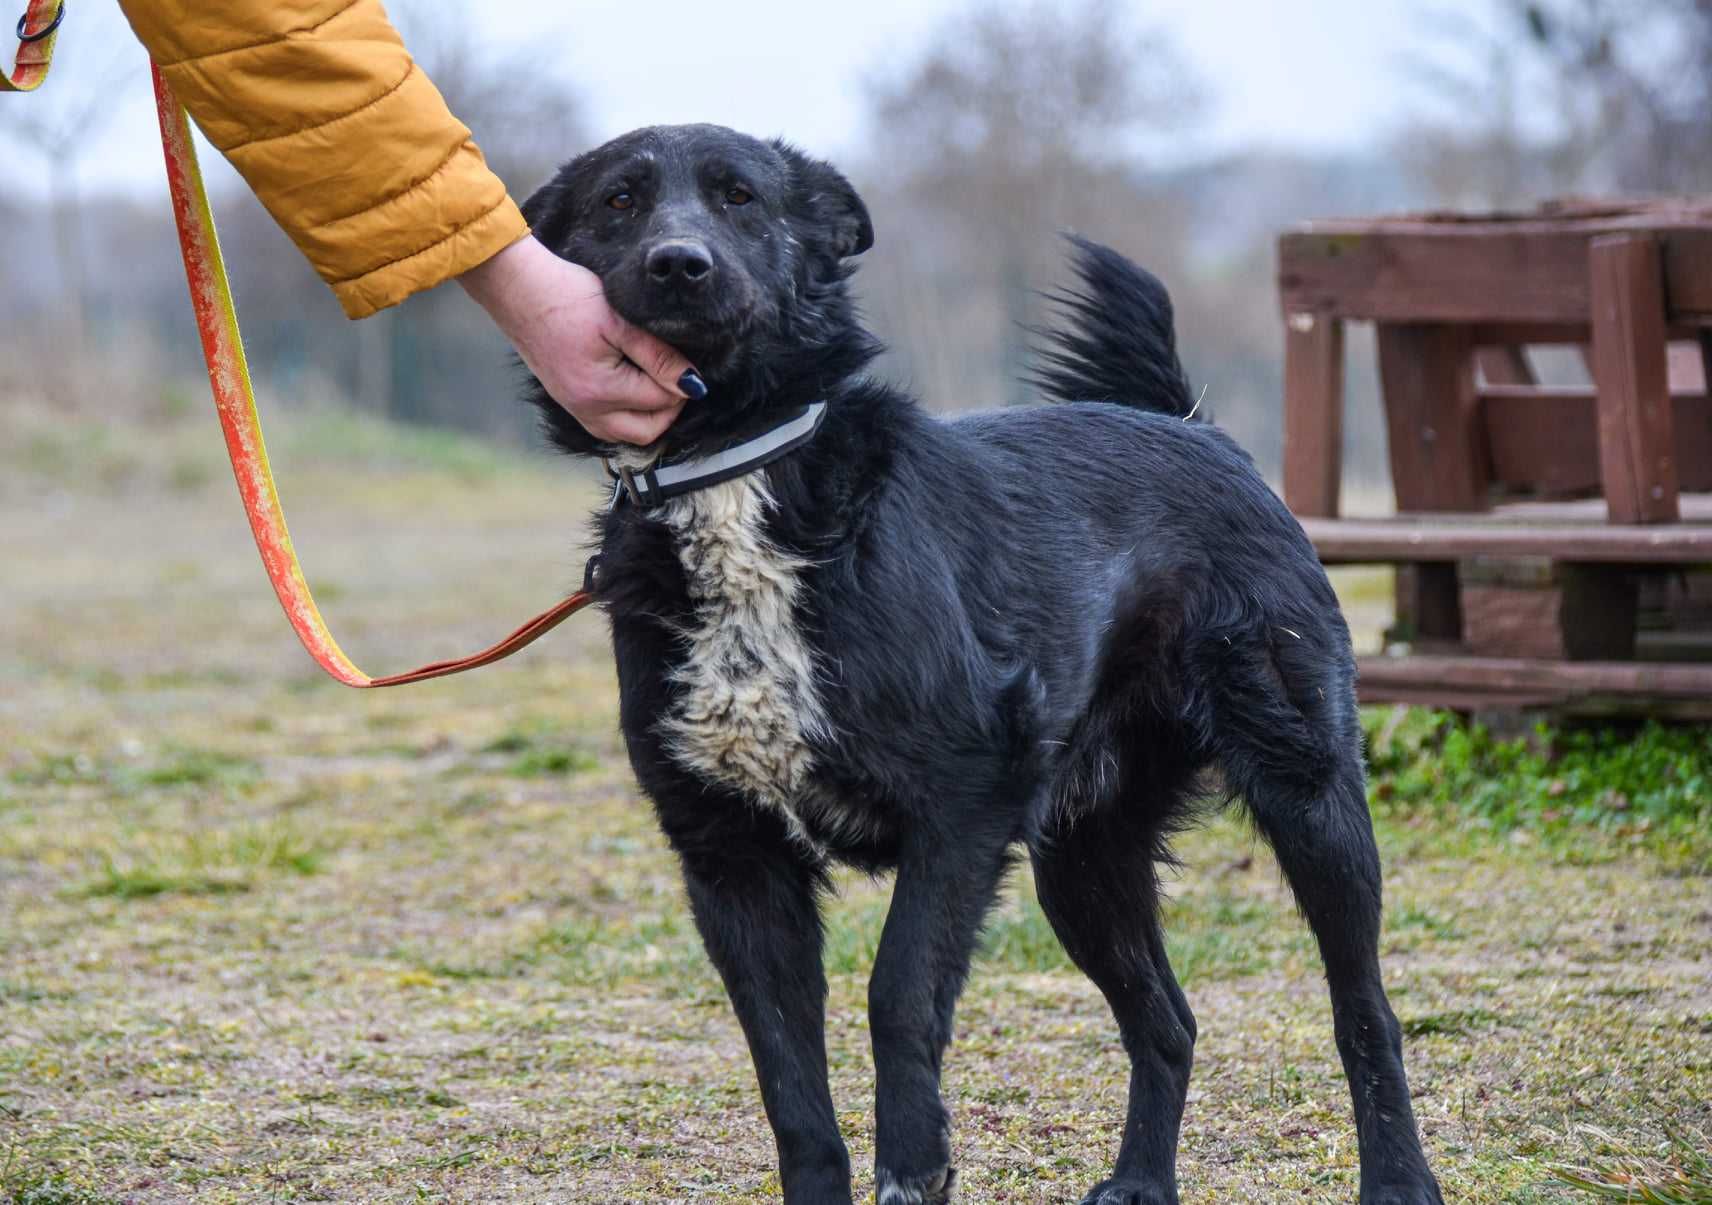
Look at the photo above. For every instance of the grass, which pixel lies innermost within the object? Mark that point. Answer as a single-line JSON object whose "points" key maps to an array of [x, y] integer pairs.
{"points": [[262, 938], [183, 768], [1581, 789], [204, 863], [1679, 1173]]}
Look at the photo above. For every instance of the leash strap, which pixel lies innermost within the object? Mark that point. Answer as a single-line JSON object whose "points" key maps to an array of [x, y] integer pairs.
{"points": [[234, 399], [38, 30]]}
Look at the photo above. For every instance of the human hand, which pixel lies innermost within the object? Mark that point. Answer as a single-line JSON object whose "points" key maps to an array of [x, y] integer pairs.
{"points": [[622, 384]]}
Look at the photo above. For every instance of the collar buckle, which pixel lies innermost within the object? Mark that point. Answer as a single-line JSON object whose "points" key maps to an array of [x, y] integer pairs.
{"points": [[646, 495], [627, 479]]}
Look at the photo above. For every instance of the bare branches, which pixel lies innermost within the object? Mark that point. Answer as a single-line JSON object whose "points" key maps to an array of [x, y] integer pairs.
{"points": [[61, 125], [525, 115], [1552, 96], [1031, 84], [1014, 121]]}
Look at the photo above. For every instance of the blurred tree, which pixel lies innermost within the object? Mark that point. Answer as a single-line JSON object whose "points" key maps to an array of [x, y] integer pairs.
{"points": [[525, 115], [1541, 97], [61, 126], [1013, 122], [1666, 74]]}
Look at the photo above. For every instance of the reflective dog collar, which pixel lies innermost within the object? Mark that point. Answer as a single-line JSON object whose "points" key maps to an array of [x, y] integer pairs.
{"points": [[649, 487]]}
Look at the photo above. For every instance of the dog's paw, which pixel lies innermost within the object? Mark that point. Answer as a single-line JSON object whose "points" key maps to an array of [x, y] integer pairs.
{"points": [[1420, 1193], [1128, 1192], [933, 1189]]}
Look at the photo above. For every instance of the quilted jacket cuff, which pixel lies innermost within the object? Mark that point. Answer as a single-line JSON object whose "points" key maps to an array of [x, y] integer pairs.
{"points": [[472, 244]]}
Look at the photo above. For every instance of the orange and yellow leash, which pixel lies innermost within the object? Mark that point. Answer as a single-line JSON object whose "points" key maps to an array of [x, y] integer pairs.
{"points": [[234, 394], [38, 30]]}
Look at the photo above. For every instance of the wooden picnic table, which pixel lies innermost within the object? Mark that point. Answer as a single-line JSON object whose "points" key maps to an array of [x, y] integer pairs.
{"points": [[1538, 525]]}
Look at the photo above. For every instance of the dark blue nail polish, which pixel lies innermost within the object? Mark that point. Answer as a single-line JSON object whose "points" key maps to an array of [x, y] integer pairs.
{"points": [[692, 384]]}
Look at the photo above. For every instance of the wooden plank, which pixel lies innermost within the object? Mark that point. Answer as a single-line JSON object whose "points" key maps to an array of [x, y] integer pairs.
{"points": [[1313, 413], [1550, 333], [1505, 364], [1547, 439], [1381, 678], [1687, 266], [1434, 539], [1382, 692], [1432, 414], [1694, 433], [1637, 452], [1512, 272], [1477, 702], [1696, 509], [1492, 333], [1539, 609], [1551, 217], [1436, 277]]}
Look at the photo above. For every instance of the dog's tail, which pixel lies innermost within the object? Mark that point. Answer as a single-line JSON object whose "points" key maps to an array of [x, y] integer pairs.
{"points": [[1115, 341]]}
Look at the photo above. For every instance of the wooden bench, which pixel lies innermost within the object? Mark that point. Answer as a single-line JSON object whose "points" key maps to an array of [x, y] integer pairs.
{"points": [[1540, 526]]}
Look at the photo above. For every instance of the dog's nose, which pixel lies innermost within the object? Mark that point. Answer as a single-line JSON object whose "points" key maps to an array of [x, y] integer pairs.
{"points": [[683, 260]]}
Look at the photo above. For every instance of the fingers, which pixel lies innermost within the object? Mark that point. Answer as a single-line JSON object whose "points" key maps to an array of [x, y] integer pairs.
{"points": [[621, 383], [627, 388], [660, 362], [635, 426]]}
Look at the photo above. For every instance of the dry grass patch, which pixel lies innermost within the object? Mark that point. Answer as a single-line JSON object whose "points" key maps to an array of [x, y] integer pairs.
{"points": [[265, 939]]}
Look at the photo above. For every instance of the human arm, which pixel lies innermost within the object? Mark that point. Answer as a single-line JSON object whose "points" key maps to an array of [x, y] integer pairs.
{"points": [[354, 153]]}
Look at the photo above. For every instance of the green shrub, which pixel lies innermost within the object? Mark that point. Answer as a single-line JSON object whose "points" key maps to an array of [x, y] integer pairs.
{"points": [[1652, 782]]}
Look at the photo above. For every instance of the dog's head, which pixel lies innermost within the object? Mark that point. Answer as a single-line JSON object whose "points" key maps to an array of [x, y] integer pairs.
{"points": [[729, 248]]}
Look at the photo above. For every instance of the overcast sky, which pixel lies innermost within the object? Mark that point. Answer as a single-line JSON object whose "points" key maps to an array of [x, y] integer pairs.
{"points": [[1320, 74]]}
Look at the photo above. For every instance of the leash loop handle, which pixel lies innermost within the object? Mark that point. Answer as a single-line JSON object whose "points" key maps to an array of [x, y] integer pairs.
{"points": [[46, 31], [35, 50], [235, 402]]}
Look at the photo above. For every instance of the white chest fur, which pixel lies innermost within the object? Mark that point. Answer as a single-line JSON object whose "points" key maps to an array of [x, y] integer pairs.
{"points": [[750, 704]]}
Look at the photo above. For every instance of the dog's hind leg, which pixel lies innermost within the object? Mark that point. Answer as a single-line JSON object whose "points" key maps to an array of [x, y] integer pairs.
{"points": [[1095, 874], [1324, 843], [1282, 715]]}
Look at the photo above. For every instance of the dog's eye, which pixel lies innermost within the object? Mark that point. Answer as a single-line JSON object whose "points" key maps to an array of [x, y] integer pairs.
{"points": [[620, 201], [738, 196]]}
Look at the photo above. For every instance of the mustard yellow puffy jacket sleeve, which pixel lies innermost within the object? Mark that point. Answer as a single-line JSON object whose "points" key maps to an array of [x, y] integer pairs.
{"points": [[343, 138]]}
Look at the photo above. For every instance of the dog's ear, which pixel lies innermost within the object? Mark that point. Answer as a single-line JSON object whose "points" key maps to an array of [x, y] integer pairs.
{"points": [[551, 208], [828, 203]]}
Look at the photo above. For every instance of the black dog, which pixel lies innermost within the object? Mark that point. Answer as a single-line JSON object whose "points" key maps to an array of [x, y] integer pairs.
{"points": [[914, 645]]}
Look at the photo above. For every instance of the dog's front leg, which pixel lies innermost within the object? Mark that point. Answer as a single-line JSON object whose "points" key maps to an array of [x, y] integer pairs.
{"points": [[755, 897], [944, 887]]}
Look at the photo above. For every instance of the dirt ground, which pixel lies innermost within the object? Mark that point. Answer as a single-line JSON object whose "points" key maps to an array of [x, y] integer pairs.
{"points": [[265, 938]]}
